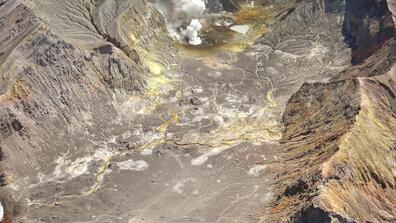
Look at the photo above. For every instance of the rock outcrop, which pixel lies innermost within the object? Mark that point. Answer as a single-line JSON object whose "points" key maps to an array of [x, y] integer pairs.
{"points": [[339, 139], [343, 156], [62, 63]]}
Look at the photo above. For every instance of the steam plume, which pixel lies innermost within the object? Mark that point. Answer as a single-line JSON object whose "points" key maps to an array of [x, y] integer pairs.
{"points": [[183, 18]]}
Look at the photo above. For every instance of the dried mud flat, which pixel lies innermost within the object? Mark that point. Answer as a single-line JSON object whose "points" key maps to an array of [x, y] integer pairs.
{"points": [[103, 119]]}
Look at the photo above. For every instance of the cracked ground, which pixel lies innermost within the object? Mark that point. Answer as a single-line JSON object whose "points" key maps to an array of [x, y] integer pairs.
{"points": [[105, 118]]}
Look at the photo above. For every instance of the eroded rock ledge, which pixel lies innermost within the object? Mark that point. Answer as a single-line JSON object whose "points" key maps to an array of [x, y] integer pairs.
{"points": [[339, 138], [341, 159]]}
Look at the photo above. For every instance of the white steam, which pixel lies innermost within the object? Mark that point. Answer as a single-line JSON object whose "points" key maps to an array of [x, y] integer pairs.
{"points": [[1, 212], [192, 32], [182, 18], [190, 8]]}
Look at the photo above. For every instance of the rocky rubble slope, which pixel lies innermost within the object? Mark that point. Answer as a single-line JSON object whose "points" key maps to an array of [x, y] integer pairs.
{"points": [[342, 158], [60, 60]]}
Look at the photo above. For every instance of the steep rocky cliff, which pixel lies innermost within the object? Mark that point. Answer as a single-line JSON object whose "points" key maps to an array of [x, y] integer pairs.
{"points": [[62, 63], [342, 158]]}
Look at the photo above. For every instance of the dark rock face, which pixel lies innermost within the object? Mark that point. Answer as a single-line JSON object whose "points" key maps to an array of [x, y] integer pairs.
{"points": [[229, 5], [314, 215], [367, 26]]}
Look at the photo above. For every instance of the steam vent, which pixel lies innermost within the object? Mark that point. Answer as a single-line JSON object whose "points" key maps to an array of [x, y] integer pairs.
{"points": [[197, 111]]}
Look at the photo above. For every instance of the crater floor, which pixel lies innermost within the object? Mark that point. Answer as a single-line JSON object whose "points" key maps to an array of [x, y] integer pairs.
{"points": [[104, 119]]}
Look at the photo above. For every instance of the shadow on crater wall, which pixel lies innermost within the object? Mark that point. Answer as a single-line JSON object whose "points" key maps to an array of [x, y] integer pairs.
{"points": [[313, 215], [368, 25]]}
